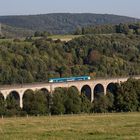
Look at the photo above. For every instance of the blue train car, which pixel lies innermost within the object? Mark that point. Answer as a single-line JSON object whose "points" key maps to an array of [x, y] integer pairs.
{"points": [[59, 80]]}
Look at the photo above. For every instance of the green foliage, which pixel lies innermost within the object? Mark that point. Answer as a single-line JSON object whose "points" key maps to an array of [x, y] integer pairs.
{"points": [[12, 106], [41, 59], [2, 105], [35, 103], [15, 32], [73, 101], [86, 104], [28, 100], [127, 98], [68, 101], [41, 34], [58, 100], [39, 104], [103, 104], [133, 28]]}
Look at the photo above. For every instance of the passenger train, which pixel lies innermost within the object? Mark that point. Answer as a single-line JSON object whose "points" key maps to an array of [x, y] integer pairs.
{"points": [[59, 80]]}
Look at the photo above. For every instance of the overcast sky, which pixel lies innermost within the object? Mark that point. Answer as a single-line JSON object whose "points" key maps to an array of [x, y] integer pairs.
{"points": [[119, 7]]}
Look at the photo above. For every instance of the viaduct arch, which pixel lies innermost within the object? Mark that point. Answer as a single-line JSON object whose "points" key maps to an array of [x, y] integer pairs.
{"points": [[91, 88]]}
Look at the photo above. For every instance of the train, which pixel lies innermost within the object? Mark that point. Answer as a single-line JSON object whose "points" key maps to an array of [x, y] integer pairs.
{"points": [[61, 80]]}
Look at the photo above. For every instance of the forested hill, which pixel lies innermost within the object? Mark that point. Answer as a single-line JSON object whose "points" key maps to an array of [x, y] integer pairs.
{"points": [[27, 61], [62, 22]]}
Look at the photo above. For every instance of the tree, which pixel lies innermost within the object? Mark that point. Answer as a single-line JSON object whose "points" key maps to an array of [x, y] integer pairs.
{"points": [[73, 101], [61, 70], [86, 105], [58, 102], [12, 106], [100, 105], [41, 103], [2, 105], [103, 103], [126, 98], [36, 104], [37, 34], [28, 101], [94, 57], [78, 31]]}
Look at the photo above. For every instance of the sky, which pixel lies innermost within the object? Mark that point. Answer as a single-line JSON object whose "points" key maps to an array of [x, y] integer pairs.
{"points": [[28, 7]]}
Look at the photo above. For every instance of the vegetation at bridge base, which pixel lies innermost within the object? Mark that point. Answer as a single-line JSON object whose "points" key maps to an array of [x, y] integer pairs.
{"points": [[126, 98], [103, 104], [68, 101], [36, 103]]}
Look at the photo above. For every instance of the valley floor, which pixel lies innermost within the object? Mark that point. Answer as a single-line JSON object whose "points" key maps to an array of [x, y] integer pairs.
{"points": [[121, 126]]}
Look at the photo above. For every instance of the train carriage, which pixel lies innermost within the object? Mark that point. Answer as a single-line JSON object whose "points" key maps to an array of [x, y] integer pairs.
{"points": [[58, 80]]}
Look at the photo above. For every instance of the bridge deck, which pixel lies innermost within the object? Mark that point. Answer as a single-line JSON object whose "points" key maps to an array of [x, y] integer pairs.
{"points": [[27, 85]]}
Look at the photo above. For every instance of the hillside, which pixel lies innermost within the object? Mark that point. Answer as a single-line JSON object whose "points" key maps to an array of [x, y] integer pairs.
{"points": [[38, 60], [10, 31], [62, 22]]}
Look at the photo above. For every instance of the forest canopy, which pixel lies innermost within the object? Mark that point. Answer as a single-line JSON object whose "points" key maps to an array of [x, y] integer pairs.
{"points": [[26, 61]]}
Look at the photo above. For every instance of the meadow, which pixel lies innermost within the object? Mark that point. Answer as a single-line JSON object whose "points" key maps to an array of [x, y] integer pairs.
{"points": [[64, 37], [121, 126]]}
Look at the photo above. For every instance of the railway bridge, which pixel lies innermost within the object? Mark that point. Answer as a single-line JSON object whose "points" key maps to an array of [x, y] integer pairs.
{"points": [[90, 87]]}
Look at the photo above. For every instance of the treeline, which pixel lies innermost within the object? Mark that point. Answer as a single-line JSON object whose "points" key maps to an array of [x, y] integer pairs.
{"points": [[95, 55], [14, 32], [121, 98], [9, 32], [110, 29]]}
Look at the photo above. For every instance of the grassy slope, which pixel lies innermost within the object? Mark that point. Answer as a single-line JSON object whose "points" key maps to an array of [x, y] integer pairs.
{"points": [[92, 127], [64, 37], [54, 37]]}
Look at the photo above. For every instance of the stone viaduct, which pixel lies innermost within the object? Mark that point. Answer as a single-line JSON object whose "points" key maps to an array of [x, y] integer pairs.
{"points": [[89, 87]]}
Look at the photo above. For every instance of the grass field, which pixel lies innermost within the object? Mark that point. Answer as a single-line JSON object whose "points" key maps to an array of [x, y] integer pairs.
{"points": [[64, 37], [74, 127], [54, 37], [6, 40]]}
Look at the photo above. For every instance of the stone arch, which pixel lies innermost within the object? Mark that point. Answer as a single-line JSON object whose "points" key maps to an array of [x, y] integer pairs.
{"points": [[13, 95], [86, 89], [111, 87], [98, 90]]}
